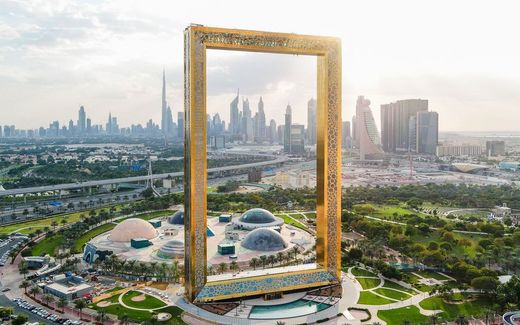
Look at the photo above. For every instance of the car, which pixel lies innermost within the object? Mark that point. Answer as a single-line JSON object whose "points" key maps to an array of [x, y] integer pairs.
{"points": [[6, 289]]}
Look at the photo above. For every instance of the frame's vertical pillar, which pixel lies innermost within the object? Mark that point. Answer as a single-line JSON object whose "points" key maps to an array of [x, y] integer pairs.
{"points": [[194, 163]]}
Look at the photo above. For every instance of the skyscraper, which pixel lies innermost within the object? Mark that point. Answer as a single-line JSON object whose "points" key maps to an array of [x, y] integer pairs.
{"points": [[297, 139], [311, 121], [168, 124], [287, 130], [247, 122], [272, 131], [345, 134], [234, 118], [427, 132], [260, 132], [109, 124], [164, 112], [82, 120], [369, 141], [395, 123], [355, 135]]}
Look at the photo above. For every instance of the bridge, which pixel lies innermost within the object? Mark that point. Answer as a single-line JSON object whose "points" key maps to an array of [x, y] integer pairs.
{"points": [[103, 182]]}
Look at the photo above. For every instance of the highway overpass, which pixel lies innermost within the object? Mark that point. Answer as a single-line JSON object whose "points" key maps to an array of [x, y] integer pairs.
{"points": [[70, 186]]}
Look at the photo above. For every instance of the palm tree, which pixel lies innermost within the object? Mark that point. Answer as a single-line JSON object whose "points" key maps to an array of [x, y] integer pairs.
{"points": [[222, 267], [461, 320], [123, 319], [34, 291], [62, 303], [263, 259], [280, 257], [79, 305], [175, 271], [280, 323], [253, 263], [295, 251], [47, 299], [101, 316], [271, 259], [233, 266], [433, 319], [25, 284], [211, 270], [54, 224]]}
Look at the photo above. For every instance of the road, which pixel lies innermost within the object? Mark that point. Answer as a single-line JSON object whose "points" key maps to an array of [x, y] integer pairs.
{"points": [[6, 302], [68, 186]]}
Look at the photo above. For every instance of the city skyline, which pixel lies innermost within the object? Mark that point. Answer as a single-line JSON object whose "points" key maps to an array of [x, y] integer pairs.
{"points": [[102, 61]]}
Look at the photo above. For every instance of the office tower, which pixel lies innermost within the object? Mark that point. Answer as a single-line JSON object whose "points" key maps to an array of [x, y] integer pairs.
{"points": [[1, 133], [311, 121], [280, 132], [89, 126], [495, 148], [234, 118], [168, 123], [395, 123], [287, 130], [369, 141], [260, 132], [82, 124], [272, 131], [354, 132], [114, 125], [459, 150], [71, 128], [247, 122], [345, 135], [297, 139], [164, 125], [180, 125], [109, 124], [412, 134], [427, 132]]}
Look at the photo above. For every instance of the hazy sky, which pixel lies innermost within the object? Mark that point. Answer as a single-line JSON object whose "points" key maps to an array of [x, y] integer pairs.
{"points": [[108, 56]]}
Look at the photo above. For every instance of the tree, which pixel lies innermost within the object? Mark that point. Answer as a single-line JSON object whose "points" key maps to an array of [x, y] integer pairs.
{"points": [[222, 267], [25, 284], [253, 263], [47, 299], [485, 284], [62, 303], [233, 266], [34, 291], [23, 268], [123, 319], [79, 305], [20, 320], [101, 316]]}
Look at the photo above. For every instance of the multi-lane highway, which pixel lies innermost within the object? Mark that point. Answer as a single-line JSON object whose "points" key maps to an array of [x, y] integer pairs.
{"points": [[69, 186]]}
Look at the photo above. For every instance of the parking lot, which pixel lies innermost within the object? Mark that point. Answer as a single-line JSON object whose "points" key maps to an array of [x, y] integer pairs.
{"points": [[35, 312], [9, 244]]}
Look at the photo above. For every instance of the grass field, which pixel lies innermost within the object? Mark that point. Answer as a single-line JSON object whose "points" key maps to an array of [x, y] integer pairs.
{"points": [[361, 272], [434, 275], [393, 285], [28, 227], [399, 315], [368, 283], [452, 311], [310, 215], [83, 239], [47, 246], [368, 298], [292, 222], [149, 302], [393, 294], [139, 316]]}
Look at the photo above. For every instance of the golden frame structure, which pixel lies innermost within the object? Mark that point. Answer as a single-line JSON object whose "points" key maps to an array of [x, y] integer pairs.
{"points": [[197, 39]]}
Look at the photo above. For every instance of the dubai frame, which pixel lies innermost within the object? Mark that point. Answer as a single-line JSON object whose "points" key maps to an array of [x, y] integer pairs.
{"points": [[197, 39]]}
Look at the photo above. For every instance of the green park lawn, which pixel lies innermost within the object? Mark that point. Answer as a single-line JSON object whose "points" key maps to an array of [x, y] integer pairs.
{"points": [[292, 222], [393, 294], [434, 275], [361, 272], [368, 283], [452, 311], [149, 302], [83, 239], [139, 316], [393, 285], [399, 315], [310, 215], [47, 246], [368, 298]]}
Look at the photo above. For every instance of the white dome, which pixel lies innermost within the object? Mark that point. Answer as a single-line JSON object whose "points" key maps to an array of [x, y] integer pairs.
{"points": [[132, 228]]}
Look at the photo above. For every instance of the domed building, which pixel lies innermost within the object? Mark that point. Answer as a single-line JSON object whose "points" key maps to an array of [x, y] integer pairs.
{"points": [[132, 228], [257, 218], [177, 218], [172, 249], [264, 239]]}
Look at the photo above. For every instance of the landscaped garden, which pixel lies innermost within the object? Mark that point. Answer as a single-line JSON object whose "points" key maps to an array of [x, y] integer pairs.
{"points": [[397, 295], [356, 271], [140, 300], [368, 283], [368, 298], [399, 316], [465, 305]]}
